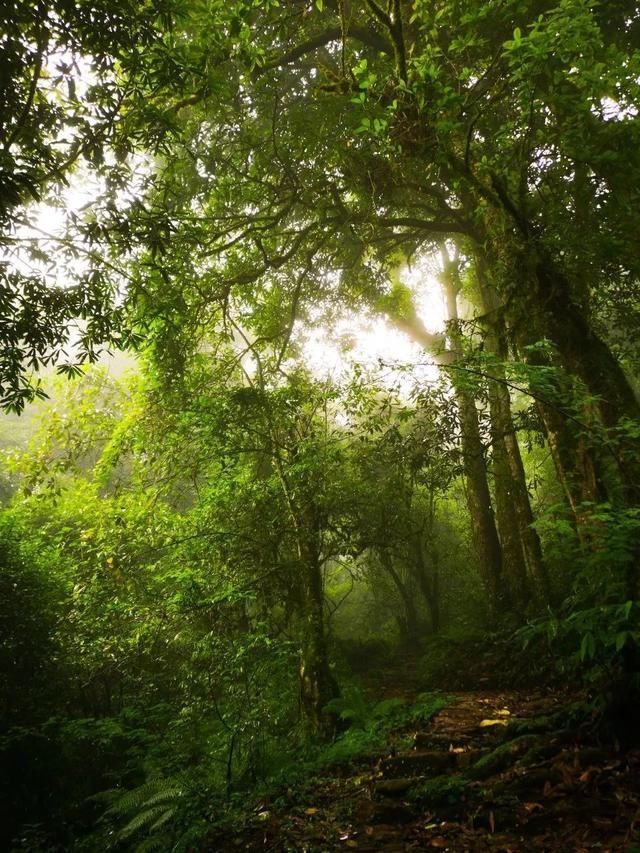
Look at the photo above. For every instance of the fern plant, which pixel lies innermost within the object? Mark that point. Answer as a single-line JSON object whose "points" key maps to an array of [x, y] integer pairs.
{"points": [[148, 809]]}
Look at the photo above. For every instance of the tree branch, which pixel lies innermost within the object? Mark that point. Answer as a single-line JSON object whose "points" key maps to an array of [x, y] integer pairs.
{"points": [[380, 14], [37, 70], [398, 41], [433, 227], [362, 34]]}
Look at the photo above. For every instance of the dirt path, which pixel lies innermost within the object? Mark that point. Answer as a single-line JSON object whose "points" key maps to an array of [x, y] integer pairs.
{"points": [[489, 772]]}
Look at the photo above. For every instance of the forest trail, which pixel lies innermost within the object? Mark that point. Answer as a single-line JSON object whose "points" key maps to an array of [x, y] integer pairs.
{"points": [[491, 771]]}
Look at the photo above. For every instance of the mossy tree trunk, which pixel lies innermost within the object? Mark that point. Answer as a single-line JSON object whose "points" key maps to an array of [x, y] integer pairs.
{"points": [[513, 505], [483, 524], [428, 578], [515, 569], [317, 684], [410, 622]]}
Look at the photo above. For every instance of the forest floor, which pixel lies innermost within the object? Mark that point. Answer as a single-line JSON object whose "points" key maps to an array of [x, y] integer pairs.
{"points": [[495, 770]]}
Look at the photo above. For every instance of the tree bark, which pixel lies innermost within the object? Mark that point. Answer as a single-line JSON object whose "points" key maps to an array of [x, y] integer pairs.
{"points": [[519, 494], [411, 621], [514, 567], [317, 684], [582, 351], [512, 495], [483, 525], [485, 534], [428, 578], [605, 466]]}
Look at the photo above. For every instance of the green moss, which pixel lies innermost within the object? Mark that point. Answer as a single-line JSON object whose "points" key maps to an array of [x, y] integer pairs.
{"points": [[536, 725], [502, 757], [426, 706], [441, 791]]}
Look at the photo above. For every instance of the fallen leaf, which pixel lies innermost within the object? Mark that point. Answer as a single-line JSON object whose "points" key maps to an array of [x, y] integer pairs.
{"points": [[311, 810], [505, 712], [588, 774], [486, 723], [568, 774], [439, 841], [365, 810]]}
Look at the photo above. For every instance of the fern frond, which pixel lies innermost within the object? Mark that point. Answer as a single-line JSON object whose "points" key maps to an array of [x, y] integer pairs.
{"points": [[162, 819], [166, 796], [387, 707], [127, 802], [151, 844], [142, 819], [138, 797]]}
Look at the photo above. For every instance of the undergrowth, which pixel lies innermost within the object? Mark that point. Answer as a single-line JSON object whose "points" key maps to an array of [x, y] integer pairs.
{"points": [[162, 809], [371, 724]]}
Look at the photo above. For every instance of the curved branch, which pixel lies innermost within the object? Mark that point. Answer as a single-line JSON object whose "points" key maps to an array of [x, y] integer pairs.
{"points": [[427, 225], [33, 85], [364, 35]]}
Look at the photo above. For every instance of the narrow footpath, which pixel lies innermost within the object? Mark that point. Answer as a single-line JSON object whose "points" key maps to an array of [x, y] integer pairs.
{"points": [[508, 771]]}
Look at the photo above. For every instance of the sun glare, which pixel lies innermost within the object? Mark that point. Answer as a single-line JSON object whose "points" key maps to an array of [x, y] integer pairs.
{"points": [[370, 340]]}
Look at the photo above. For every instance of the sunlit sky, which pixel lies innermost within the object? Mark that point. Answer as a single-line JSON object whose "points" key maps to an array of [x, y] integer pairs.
{"points": [[326, 350], [367, 339]]}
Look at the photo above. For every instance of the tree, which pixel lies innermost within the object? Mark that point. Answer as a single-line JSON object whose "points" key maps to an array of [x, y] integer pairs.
{"points": [[405, 458], [339, 144], [67, 74]]}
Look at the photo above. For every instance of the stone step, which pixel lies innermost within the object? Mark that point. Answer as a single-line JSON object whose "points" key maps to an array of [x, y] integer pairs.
{"points": [[468, 757], [387, 811], [395, 787], [438, 740], [414, 764]]}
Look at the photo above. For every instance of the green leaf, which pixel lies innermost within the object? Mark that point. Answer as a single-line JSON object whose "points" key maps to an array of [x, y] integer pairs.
{"points": [[587, 647], [621, 640]]}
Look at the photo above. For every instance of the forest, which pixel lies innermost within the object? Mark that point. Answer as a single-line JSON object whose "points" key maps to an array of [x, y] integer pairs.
{"points": [[320, 422]]}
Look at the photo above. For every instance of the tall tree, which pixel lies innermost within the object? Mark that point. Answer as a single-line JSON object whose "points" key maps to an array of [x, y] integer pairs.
{"points": [[347, 132], [68, 72]]}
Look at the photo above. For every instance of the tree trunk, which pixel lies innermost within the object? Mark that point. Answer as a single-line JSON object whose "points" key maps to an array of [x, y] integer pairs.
{"points": [[411, 622], [532, 549], [514, 567], [606, 465], [511, 483], [575, 464], [610, 453], [428, 578], [317, 684], [485, 534], [582, 351]]}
